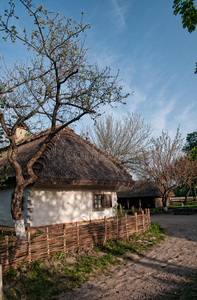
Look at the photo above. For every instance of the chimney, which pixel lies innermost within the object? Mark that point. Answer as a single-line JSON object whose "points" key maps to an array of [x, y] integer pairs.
{"points": [[21, 132]]}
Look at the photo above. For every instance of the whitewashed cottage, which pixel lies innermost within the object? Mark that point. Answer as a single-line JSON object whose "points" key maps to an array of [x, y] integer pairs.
{"points": [[75, 181]]}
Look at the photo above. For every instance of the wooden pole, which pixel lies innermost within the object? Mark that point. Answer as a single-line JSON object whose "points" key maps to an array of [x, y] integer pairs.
{"points": [[47, 239], [117, 225], [140, 204], [126, 226], [128, 206], [77, 226], [29, 246], [64, 238], [92, 241], [149, 221], [1, 283], [105, 224], [136, 227], [7, 249], [143, 220]]}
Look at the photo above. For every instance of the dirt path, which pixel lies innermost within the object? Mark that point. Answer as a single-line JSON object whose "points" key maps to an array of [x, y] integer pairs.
{"points": [[158, 275]]}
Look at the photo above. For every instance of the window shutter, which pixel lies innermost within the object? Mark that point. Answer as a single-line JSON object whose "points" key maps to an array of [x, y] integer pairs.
{"points": [[107, 201]]}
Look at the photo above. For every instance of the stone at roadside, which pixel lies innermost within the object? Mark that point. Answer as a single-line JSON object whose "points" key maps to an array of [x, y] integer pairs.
{"points": [[131, 256]]}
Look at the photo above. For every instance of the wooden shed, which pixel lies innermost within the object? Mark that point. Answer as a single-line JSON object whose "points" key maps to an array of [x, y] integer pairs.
{"points": [[143, 194]]}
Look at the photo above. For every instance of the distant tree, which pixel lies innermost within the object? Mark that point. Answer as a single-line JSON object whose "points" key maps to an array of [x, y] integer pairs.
{"points": [[190, 181], [165, 163], [188, 13], [193, 154], [191, 149], [58, 86], [123, 139], [191, 141]]}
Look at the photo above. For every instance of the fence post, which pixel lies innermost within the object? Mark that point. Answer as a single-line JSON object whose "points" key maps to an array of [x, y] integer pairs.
{"points": [[143, 220], [1, 283], [77, 226], [126, 227], [7, 249], [29, 246], [64, 237], [117, 225], [48, 250], [105, 224], [90, 229], [148, 217], [136, 227]]}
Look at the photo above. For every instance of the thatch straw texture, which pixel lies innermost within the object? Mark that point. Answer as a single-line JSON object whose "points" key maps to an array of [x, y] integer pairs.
{"points": [[68, 159], [141, 188]]}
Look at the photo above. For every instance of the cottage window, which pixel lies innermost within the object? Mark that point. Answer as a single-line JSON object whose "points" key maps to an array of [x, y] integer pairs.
{"points": [[102, 201]]}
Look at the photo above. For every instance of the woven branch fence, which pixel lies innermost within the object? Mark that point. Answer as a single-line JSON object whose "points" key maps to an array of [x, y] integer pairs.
{"points": [[69, 237]]}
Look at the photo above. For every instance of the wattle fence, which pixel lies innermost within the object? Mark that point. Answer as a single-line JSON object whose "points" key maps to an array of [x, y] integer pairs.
{"points": [[45, 242]]}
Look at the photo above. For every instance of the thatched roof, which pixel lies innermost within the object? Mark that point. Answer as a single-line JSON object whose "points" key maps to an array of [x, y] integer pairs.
{"points": [[68, 159], [141, 188]]}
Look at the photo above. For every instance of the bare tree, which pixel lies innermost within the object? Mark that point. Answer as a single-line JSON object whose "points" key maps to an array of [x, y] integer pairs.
{"points": [[190, 167], [123, 139], [166, 163], [57, 86]]}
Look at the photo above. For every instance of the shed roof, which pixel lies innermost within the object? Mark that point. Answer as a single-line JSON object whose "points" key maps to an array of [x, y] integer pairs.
{"points": [[68, 159], [141, 188]]}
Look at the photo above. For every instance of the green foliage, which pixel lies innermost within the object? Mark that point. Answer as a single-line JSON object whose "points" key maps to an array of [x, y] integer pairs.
{"points": [[191, 141], [181, 191], [177, 205], [188, 13], [119, 212], [157, 210], [193, 154]]}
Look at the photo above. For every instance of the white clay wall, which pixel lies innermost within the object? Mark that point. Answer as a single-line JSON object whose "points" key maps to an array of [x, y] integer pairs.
{"points": [[52, 206]]}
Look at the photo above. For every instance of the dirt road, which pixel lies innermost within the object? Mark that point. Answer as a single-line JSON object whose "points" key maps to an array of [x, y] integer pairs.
{"points": [[158, 275]]}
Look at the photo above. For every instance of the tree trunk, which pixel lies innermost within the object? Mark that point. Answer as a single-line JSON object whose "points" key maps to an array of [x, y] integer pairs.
{"points": [[187, 195], [194, 193], [16, 210], [164, 200]]}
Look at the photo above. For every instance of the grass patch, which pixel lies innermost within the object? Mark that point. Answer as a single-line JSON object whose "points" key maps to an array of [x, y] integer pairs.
{"points": [[177, 205], [63, 272], [137, 244]]}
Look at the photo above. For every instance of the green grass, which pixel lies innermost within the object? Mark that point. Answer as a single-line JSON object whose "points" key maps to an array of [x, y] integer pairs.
{"points": [[157, 210], [137, 244], [46, 279], [176, 205]]}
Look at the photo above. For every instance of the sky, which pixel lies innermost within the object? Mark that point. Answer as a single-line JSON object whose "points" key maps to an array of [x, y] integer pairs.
{"points": [[146, 42]]}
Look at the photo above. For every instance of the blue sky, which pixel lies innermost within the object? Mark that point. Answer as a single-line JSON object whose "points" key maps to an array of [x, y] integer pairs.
{"points": [[155, 55]]}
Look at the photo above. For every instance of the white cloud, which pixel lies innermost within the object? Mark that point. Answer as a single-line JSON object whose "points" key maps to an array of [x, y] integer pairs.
{"points": [[159, 117], [135, 100], [185, 115], [119, 11]]}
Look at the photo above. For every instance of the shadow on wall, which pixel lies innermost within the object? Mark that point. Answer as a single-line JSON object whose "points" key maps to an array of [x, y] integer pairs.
{"points": [[55, 207]]}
